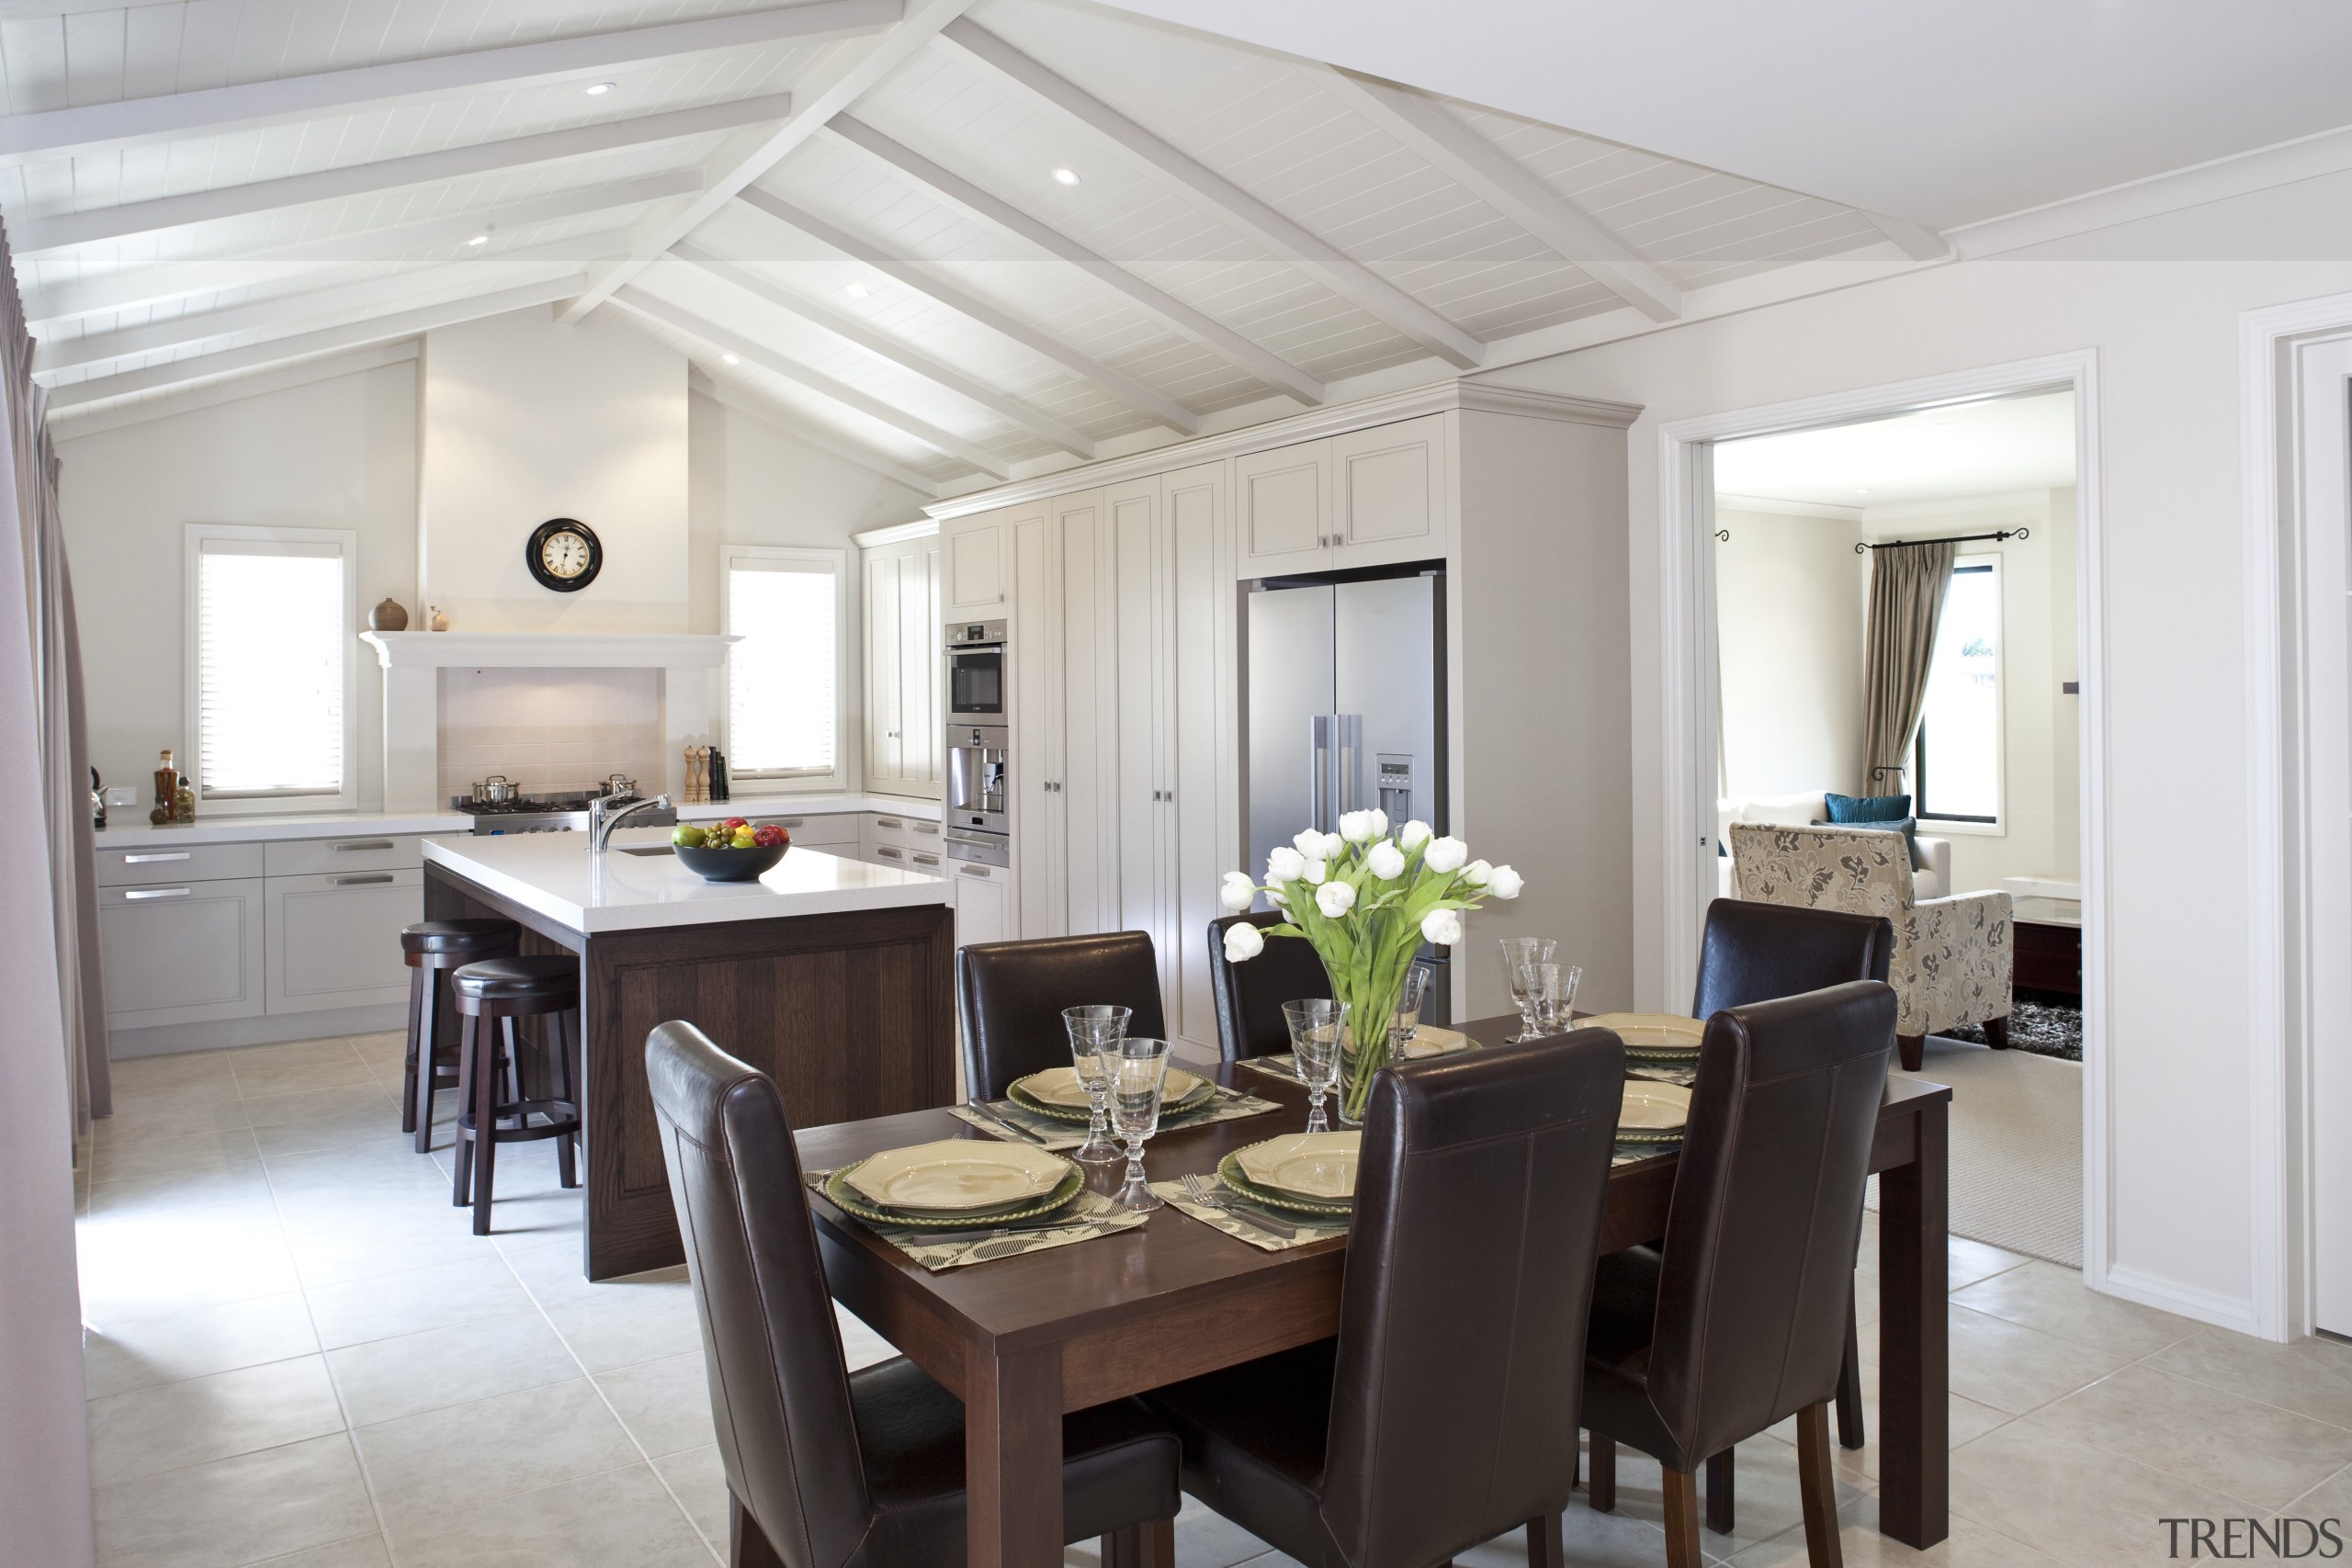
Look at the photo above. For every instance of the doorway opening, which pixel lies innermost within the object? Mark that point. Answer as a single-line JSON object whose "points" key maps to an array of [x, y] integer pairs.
{"points": [[1896, 634]]}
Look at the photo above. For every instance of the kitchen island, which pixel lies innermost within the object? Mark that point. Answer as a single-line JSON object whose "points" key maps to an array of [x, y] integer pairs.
{"points": [[834, 977]]}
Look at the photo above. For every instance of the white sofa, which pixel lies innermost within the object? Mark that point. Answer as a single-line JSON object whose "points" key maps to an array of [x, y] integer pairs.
{"points": [[1931, 880]]}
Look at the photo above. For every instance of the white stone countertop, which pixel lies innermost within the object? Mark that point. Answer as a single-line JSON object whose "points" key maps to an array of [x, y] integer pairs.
{"points": [[130, 829], [758, 807], [552, 875]]}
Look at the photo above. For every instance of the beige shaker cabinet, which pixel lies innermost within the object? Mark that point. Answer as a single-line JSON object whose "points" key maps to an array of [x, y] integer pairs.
{"points": [[903, 666], [333, 938], [183, 952], [977, 555]]}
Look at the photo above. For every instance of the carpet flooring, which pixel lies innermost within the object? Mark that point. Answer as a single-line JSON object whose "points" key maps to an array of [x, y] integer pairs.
{"points": [[2017, 1147]]}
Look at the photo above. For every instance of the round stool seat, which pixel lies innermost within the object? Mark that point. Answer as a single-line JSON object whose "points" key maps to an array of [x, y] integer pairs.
{"points": [[535, 983], [444, 939]]}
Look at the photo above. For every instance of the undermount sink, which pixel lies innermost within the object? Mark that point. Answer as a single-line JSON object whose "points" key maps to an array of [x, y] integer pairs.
{"points": [[647, 849]]}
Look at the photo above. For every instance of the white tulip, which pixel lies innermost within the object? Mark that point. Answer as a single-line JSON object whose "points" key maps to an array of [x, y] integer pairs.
{"points": [[1332, 847], [1442, 927], [1314, 872], [1335, 898], [1243, 941], [1355, 827], [1281, 899], [1505, 882], [1477, 872], [1237, 892], [1308, 843], [1284, 864], [1413, 835], [1446, 855], [1379, 822], [1385, 859]]}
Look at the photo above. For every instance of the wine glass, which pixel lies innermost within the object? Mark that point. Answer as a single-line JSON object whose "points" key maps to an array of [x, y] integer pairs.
{"points": [[1138, 1074], [1315, 1029], [1554, 993], [1093, 1029], [1520, 955], [1409, 1011]]}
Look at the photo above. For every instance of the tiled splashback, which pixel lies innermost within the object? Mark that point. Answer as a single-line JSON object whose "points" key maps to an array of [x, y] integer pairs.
{"points": [[549, 729]]}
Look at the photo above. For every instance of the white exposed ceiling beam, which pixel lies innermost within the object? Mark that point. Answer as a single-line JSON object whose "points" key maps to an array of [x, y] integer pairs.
{"points": [[883, 346], [388, 174], [817, 102], [286, 314], [1085, 367], [947, 186], [1915, 241], [947, 444], [1219, 197], [327, 340], [136, 287], [1433, 131], [55, 133], [742, 401]]}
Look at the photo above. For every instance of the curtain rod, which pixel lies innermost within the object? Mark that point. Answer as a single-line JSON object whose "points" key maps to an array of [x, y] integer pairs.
{"points": [[1958, 539]]}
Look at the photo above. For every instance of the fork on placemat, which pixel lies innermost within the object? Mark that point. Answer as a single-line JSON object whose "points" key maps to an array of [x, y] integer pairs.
{"points": [[1196, 1186]]}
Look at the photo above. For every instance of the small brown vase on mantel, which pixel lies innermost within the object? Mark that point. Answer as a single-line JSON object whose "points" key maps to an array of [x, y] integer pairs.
{"points": [[387, 617]]}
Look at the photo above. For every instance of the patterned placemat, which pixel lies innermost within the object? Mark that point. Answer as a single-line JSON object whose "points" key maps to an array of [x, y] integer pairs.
{"points": [[1016, 1124], [1626, 1154], [1262, 1228], [1091, 1215]]}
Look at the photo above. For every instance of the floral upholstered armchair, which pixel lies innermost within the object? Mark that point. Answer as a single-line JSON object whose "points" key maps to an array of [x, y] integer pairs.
{"points": [[1952, 955]]}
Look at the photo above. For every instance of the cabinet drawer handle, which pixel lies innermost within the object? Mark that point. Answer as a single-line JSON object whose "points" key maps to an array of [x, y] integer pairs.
{"points": [[794, 821], [158, 893], [345, 846], [149, 860], [922, 859], [887, 852], [890, 822], [360, 881], [931, 828], [973, 870]]}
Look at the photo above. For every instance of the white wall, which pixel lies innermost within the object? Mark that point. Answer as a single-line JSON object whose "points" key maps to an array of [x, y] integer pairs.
{"points": [[336, 454], [2158, 301], [525, 419], [1791, 652]]}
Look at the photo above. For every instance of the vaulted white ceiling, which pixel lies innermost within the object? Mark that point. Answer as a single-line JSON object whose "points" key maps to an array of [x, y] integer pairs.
{"points": [[961, 240]]}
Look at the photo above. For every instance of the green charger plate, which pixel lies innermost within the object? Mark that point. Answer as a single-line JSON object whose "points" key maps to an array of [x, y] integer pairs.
{"points": [[1274, 1198], [1202, 1092], [850, 1201]]}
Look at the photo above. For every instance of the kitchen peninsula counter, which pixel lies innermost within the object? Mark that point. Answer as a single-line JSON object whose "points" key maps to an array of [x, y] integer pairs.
{"points": [[834, 977]]}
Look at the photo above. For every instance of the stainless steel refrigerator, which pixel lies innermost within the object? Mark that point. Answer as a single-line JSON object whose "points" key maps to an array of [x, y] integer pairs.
{"points": [[1347, 707]]}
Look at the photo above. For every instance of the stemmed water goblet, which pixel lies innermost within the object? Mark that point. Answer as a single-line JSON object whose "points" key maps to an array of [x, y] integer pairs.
{"points": [[1554, 997], [1409, 1011], [1521, 956], [1316, 1027], [1094, 1030], [1138, 1076]]}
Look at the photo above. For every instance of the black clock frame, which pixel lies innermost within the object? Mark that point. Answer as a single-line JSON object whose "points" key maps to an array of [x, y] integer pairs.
{"points": [[547, 580]]}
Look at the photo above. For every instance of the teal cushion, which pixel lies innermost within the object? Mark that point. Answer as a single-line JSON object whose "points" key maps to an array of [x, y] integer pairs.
{"points": [[1845, 809], [1906, 826]]}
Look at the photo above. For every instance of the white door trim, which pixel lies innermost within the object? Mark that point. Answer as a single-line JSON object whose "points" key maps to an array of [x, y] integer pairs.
{"points": [[1688, 699], [2277, 804]]}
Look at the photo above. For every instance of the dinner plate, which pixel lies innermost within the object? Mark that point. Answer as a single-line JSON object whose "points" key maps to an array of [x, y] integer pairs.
{"points": [[1197, 1092], [1653, 1107], [1272, 1198], [1059, 1085], [959, 1176], [1429, 1040], [850, 1201], [1320, 1166], [1650, 1032]]}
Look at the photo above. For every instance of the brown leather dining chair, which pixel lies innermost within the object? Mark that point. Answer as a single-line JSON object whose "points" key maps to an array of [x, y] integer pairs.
{"points": [[1250, 996], [1444, 1414], [1737, 1322], [1013, 994], [1753, 952], [828, 1468]]}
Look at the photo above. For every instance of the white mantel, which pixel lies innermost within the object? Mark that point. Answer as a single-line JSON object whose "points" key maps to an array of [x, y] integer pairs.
{"points": [[413, 663]]}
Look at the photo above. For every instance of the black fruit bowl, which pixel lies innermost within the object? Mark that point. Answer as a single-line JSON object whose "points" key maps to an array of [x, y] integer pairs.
{"points": [[731, 866]]}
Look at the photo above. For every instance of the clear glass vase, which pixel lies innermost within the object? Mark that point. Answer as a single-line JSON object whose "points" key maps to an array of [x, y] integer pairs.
{"points": [[1401, 1007]]}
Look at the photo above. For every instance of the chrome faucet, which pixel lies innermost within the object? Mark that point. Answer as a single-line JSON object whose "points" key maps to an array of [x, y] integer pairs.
{"points": [[602, 818]]}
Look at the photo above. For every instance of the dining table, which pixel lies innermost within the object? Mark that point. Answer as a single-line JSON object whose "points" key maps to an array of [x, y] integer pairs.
{"points": [[1022, 1340]]}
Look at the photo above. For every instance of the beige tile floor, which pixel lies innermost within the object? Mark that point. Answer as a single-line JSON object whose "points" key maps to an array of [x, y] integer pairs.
{"points": [[299, 1354]]}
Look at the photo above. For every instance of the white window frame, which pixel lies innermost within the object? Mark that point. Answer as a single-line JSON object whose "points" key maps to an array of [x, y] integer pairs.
{"points": [[1947, 827], [844, 705], [281, 804]]}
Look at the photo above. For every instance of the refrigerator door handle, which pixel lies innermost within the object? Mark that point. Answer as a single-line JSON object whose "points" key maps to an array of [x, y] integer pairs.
{"points": [[1348, 730], [1318, 772]]}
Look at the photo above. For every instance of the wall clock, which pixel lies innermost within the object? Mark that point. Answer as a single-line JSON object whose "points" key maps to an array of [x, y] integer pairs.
{"points": [[564, 554]]}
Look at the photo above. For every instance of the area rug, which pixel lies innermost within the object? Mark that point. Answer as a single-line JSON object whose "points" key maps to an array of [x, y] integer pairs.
{"points": [[2017, 1147], [2044, 1031]]}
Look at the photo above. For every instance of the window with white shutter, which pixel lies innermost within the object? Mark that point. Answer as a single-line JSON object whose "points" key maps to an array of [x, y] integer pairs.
{"points": [[271, 681], [783, 680]]}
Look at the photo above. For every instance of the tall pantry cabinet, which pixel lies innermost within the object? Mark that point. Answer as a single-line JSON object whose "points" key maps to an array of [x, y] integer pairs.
{"points": [[903, 663]]}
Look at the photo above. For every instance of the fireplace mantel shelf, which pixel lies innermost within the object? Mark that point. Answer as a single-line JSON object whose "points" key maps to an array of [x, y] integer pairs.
{"points": [[547, 650]]}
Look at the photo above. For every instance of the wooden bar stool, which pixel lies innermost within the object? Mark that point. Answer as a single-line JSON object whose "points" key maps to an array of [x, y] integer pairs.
{"points": [[490, 996], [431, 949]]}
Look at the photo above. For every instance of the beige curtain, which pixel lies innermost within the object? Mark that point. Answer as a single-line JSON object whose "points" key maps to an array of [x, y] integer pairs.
{"points": [[1907, 583], [50, 1059]]}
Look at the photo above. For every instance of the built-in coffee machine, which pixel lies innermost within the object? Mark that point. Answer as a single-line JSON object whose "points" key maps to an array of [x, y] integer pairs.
{"points": [[976, 760]]}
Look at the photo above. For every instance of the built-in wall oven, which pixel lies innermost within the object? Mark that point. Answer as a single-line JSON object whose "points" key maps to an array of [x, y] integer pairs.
{"points": [[976, 682]]}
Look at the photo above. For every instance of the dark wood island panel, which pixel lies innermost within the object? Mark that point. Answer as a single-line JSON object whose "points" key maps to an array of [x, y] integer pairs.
{"points": [[853, 1014]]}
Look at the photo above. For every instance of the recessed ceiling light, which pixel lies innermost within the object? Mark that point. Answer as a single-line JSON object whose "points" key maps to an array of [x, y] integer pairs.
{"points": [[479, 240], [857, 291], [597, 89], [1066, 176], [731, 359]]}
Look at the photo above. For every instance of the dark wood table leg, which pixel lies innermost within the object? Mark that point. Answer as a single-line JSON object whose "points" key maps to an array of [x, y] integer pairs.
{"points": [[1012, 1459], [1914, 1368]]}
